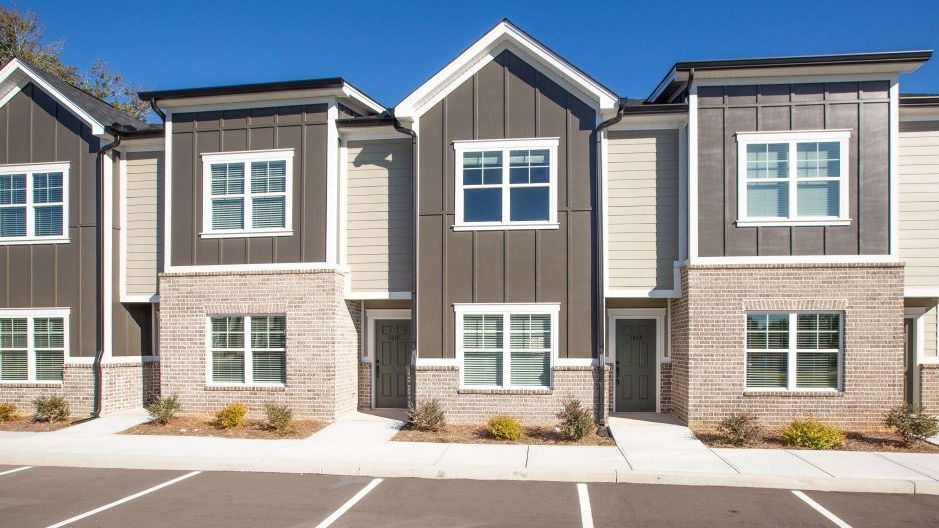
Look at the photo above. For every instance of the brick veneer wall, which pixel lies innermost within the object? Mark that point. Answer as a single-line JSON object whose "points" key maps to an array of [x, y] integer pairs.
{"points": [[322, 341], [532, 406], [365, 385], [929, 387], [708, 349], [129, 385]]}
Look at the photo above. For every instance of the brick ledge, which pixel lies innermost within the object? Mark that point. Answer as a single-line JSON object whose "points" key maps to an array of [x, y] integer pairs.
{"points": [[796, 265], [184, 274], [537, 392], [243, 388], [794, 394]]}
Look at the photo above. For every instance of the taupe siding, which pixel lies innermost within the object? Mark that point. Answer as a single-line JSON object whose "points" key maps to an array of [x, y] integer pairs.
{"points": [[642, 209], [144, 251], [33, 129], [380, 217], [302, 128], [862, 107], [507, 98], [919, 203]]}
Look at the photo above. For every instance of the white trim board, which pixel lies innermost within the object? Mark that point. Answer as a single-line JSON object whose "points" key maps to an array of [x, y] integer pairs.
{"points": [[237, 268]]}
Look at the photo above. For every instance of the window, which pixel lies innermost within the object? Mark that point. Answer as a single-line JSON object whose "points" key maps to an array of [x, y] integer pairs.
{"points": [[247, 193], [796, 351], [248, 350], [509, 346], [506, 184], [33, 202], [33, 345], [793, 178]]}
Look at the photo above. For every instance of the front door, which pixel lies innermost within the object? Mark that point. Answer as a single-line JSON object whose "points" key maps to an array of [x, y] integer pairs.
{"points": [[392, 348], [909, 359], [635, 365]]}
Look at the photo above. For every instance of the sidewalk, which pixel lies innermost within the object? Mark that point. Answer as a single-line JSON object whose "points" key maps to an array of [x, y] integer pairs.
{"points": [[647, 452]]}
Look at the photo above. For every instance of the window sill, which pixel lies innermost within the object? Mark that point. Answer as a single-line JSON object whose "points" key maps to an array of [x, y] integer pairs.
{"points": [[506, 227], [499, 390], [255, 387], [18, 241], [246, 234], [797, 393], [793, 223]]}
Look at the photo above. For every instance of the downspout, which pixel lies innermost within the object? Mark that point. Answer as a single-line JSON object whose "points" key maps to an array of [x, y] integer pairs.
{"points": [[157, 110], [99, 285], [600, 298], [412, 385]]}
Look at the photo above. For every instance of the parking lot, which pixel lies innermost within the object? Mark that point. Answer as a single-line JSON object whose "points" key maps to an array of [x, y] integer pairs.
{"points": [[55, 496]]}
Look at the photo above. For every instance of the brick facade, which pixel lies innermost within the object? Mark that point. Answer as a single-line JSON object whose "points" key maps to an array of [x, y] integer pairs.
{"points": [[708, 367], [129, 385], [929, 387], [322, 341]]}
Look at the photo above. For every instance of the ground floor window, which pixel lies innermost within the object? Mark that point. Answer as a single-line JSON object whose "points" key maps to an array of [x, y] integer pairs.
{"points": [[794, 351], [506, 345], [33, 345], [248, 350]]}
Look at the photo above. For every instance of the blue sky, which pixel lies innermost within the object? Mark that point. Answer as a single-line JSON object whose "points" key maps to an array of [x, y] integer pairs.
{"points": [[387, 48]]}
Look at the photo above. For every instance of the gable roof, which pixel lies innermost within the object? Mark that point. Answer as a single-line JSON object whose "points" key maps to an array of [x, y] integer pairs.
{"points": [[505, 35], [97, 114]]}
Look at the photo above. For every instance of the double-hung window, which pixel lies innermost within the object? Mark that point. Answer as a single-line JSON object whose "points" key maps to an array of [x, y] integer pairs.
{"points": [[506, 184], [793, 178], [794, 351], [247, 193], [247, 350], [34, 203], [33, 345], [506, 346]]}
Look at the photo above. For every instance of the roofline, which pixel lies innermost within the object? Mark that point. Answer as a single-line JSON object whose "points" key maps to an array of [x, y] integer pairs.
{"points": [[657, 108], [919, 99], [365, 121]]}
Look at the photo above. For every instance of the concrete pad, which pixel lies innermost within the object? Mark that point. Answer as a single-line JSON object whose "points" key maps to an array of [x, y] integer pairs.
{"points": [[484, 456], [357, 429], [854, 464], [862, 511], [113, 423], [925, 463], [662, 444], [578, 458], [769, 462]]}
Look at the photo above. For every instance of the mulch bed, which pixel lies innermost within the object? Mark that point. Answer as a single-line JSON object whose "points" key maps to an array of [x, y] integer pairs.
{"points": [[201, 426], [26, 423], [882, 440], [478, 434]]}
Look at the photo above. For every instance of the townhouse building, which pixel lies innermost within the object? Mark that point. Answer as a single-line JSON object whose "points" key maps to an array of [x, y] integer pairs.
{"points": [[756, 235]]}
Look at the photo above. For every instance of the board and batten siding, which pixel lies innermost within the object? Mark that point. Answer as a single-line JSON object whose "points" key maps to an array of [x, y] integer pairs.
{"points": [[919, 203], [642, 208], [144, 240], [379, 218]]}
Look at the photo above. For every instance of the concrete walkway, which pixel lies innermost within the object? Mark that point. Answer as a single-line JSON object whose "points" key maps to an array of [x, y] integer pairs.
{"points": [[650, 449]]}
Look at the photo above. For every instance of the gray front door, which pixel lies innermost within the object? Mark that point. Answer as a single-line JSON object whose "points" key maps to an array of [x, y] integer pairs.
{"points": [[635, 365], [392, 348]]}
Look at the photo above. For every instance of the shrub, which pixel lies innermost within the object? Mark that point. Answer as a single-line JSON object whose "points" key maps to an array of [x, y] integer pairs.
{"points": [[231, 416], [911, 423], [164, 408], [51, 409], [576, 420], [813, 434], [505, 428], [8, 412], [427, 416], [279, 417], [740, 429]]}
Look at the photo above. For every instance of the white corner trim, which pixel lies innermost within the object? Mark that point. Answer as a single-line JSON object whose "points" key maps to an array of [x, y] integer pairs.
{"points": [[921, 292], [475, 308], [894, 167], [122, 225], [108, 260], [168, 191], [378, 295], [692, 174], [97, 128], [12, 92], [332, 183]]}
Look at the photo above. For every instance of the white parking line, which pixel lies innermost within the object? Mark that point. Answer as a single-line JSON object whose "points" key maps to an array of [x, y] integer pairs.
{"points": [[349, 503], [125, 499], [7, 472], [586, 514], [820, 509]]}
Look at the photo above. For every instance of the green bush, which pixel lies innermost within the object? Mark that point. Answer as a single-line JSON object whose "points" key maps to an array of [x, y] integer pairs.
{"points": [[279, 418], [576, 420], [740, 429], [505, 428], [911, 423], [8, 412], [231, 416], [164, 408], [427, 416], [51, 409], [813, 434]]}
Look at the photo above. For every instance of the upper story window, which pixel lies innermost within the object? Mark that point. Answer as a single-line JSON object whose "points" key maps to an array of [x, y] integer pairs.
{"points": [[506, 184], [247, 193], [793, 178], [33, 203]]}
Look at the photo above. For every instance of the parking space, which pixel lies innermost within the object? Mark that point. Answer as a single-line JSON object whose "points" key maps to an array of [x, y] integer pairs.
{"points": [[866, 510]]}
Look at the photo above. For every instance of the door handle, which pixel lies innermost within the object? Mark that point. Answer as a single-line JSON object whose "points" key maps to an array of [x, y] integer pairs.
{"points": [[617, 372]]}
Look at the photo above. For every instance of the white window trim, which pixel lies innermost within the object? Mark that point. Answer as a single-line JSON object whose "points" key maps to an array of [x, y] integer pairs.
{"points": [[29, 169], [506, 310], [793, 138], [792, 354], [506, 145], [248, 352], [30, 315], [246, 157]]}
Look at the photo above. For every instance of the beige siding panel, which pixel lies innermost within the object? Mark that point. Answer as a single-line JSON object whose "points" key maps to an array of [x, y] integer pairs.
{"points": [[144, 248], [379, 218], [929, 332], [919, 207], [642, 211]]}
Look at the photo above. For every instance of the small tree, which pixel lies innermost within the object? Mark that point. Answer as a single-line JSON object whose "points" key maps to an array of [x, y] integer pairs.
{"points": [[911, 423]]}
